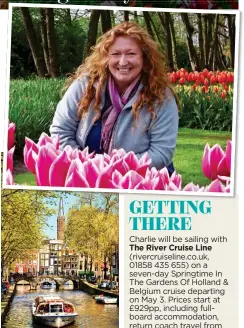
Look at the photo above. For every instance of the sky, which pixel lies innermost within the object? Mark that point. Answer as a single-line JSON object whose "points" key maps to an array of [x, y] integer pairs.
{"points": [[69, 199], [51, 229]]}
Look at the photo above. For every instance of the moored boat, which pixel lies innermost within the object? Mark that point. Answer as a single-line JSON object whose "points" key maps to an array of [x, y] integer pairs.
{"points": [[106, 299], [53, 311], [46, 285], [110, 300]]}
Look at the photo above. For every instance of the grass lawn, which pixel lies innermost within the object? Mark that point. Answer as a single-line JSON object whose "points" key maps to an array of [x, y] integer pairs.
{"points": [[187, 158], [189, 151]]}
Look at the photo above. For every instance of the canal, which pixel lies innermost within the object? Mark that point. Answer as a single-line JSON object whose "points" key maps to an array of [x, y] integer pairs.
{"points": [[91, 314]]}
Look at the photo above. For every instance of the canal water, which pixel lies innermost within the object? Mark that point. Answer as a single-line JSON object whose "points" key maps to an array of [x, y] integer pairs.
{"points": [[91, 314]]}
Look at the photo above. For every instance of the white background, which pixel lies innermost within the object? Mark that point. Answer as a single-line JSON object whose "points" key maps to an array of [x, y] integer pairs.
{"points": [[240, 135]]}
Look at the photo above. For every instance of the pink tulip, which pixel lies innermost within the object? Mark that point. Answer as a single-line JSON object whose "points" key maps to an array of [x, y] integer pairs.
{"points": [[210, 161], [9, 178], [215, 186], [46, 156], [192, 187], [45, 139], [131, 180], [105, 178], [30, 150], [11, 138], [10, 154], [91, 172], [59, 169], [74, 177]]}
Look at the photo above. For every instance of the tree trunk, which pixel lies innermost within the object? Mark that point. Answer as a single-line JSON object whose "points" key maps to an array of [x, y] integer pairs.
{"points": [[92, 32], [201, 44], [148, 23], [51, 41], [44, 38], [105, 21], [159, 38], [68, 17], [33, 42], [126, 16], [191, 49], [164, 17], [232, 32], [208, 37], [214, 48], [175, 55]]}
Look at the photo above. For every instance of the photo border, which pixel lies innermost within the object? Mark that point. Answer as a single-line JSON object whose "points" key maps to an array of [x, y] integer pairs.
{"points": [[119, 8]]}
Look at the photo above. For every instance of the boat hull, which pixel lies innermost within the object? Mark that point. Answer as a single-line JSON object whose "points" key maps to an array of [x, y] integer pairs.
{"points": [[55, 320]]}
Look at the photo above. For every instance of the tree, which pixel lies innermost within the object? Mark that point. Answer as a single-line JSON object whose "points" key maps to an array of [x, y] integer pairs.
{"points": [[44, 38], [51, 41], [148, 23], [201, 42], [92, 231], [92, 31], [165, 19], [33, 42], [191, 49], [106, 21], [23, 218], [232, 33]]}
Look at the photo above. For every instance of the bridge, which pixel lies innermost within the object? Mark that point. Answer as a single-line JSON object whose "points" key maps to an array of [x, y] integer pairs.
{"points": [[34, 281]]}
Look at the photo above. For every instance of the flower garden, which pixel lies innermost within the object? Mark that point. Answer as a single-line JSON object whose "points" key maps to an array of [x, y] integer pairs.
{"points": [[206, 100]]}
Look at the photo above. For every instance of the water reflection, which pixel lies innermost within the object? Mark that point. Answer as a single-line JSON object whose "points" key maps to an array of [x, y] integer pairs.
{"points": [[91, 314]]}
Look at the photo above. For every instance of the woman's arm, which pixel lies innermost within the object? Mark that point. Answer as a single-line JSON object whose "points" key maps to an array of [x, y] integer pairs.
{"points": [[66, 120], [163, 133]]}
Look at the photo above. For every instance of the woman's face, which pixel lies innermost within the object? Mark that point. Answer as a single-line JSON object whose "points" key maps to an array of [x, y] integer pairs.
{"points": [[125, 61]]}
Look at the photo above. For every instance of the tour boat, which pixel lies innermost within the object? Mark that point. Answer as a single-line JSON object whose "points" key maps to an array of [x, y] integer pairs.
{"points": [[53, 311]]}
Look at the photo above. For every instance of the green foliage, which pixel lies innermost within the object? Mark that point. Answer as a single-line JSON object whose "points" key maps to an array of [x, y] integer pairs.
{"points": [[32, 104], [70, 36], [92, 231], [207, 111], [23, 218]]}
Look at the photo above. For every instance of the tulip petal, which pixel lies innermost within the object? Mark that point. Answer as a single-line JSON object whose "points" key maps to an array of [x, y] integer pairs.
{"points": [[11, 137], [105, 178], [10, 154], [216, 186], [76, 180], [9, 178], [223, 169], [45, 157], [91, 172], [228, 154], [206, 162], [59, 169], [131, 180], [131, 160]]}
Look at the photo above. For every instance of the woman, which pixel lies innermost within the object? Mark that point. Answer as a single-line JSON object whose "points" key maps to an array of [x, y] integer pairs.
{"points": [[121, 98]]}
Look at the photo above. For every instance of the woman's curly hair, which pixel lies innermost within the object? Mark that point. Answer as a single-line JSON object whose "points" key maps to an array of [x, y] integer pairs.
{"points": [[154, 73]]}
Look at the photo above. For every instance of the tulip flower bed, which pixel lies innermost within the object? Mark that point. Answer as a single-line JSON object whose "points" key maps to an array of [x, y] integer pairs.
{"points": [[119, 170], [206, 98]]}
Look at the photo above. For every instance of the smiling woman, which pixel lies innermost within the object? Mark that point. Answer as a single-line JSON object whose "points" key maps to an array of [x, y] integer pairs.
{"points": [[121, 97]]}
